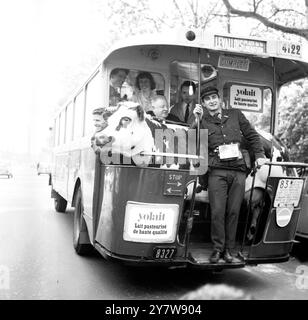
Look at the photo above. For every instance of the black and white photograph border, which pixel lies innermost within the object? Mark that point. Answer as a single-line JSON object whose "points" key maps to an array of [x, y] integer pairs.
{"points": [[122, 122]]}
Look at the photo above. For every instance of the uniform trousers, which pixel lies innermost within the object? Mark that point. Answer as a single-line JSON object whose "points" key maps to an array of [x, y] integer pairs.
{"points": [[226, 192]]}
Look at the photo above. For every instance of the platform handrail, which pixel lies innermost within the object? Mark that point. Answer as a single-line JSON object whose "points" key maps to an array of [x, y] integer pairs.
{"points": [[287, 164], [169, 154]]}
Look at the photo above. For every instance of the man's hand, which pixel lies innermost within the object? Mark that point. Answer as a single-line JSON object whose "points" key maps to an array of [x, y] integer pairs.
{"points": [[198, 111], [260, 162]]}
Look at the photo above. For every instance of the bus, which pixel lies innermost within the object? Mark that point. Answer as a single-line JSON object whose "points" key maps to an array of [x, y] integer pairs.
{"points": [[152, 215]]}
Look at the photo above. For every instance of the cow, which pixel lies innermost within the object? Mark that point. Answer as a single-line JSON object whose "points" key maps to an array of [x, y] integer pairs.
{"points": [[131, 133], [127, 135]]}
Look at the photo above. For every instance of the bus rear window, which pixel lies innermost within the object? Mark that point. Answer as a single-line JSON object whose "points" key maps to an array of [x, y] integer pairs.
{"points": [[135, 85]]}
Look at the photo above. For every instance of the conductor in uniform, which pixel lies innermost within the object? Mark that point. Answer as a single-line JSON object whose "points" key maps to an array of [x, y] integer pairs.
{"points": [[227, 168]]}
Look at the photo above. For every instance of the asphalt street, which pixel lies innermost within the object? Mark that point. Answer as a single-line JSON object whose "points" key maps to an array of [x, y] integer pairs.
{"points": [[37, 259]]}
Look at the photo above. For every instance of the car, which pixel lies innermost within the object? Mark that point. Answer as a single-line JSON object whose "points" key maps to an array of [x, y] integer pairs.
{"points": [[43, 168], [6, 170]]}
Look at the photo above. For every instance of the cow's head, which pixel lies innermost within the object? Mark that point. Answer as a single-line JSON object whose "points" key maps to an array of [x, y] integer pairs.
{"points": [[127, 132]]}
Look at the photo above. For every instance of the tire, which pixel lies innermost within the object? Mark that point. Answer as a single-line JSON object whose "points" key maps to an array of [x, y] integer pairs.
{"points": [[81, 239], [60, 203]]}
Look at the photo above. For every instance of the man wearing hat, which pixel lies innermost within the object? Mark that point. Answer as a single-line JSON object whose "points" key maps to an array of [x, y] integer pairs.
{"points": [[227, 168]]}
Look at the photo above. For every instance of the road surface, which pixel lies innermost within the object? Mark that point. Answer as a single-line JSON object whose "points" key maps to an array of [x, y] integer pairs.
{"points": [[37, 259]]}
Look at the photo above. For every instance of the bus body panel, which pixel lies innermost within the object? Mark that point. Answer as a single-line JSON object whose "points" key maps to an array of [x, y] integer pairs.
{"points": [[60, 174], [73, 172], [122, 184], [272, 240], [302, 230], [87, 168]]}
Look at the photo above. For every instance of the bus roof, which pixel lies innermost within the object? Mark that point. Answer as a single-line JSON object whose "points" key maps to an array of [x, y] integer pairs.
{"points": [[291, 58]]}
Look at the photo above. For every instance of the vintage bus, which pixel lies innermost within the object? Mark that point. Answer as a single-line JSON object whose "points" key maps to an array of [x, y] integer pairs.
{"points": [[152, 214]]}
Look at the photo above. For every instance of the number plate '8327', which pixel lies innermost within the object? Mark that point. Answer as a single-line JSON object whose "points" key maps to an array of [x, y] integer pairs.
{"points": [[163, 252]]}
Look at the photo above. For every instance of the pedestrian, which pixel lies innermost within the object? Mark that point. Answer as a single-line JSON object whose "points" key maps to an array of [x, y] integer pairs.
{"points": [[227, 168]]}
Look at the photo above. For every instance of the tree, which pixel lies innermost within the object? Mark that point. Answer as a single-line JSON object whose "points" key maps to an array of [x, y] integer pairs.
{"points": [[293, 119], [129, 17], [279, 17]]}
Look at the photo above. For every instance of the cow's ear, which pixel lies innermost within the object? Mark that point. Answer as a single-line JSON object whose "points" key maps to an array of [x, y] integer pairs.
{"points": [[140, 112]]}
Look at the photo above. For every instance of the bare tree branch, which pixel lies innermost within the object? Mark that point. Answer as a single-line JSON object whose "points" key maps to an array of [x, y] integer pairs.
{"points": [[161, 20], [154, 21], [256, 4], [277, 11], [179, 11], [194, 13], [211, 15], [254, 15]]}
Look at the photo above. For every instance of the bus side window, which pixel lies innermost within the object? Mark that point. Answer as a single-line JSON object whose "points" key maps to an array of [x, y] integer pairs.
{"points": [[62, 127], [94, 100], [69, 122], [79, 115], [56, 138]]}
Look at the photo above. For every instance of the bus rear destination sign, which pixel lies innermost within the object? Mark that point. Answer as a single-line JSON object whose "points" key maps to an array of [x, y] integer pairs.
{"points": [[238, 44]]}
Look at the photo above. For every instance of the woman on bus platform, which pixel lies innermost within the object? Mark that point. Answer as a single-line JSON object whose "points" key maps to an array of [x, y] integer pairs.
{"points": [[145, 90]]}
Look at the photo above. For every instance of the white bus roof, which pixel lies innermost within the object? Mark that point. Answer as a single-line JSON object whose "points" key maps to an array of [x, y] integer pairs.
{"points": [[225, 42]]}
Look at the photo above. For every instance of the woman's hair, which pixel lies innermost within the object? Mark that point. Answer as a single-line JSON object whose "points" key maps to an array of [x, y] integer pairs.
{"points": [[145, 75]]}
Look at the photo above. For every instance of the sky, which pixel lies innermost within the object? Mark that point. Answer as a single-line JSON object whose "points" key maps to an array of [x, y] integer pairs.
{"points": [[15, 65], [40, 41]]}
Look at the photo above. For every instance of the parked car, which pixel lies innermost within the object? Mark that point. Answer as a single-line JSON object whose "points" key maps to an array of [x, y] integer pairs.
{"points": [[5, 169]]}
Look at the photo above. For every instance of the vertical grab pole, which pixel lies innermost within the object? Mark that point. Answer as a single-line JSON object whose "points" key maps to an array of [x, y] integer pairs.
{"points": [[189, 224], [199, 102]]}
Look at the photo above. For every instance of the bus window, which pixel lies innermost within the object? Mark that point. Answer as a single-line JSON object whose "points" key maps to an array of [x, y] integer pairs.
{"points": [[131, 90], [189, 71], [79, 115], [56, 142], [62, 127], [254, 101], [93, 101], [69, 122], [117, 86]]}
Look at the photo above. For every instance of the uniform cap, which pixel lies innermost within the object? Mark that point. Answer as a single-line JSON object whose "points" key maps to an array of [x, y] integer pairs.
{"points": [[208, 91]]}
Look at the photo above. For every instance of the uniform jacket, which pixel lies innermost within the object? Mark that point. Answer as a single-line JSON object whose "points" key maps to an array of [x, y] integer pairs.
{"points": [[231, 128]]}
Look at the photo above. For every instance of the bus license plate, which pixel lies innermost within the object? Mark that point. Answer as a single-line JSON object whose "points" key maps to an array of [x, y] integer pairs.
{"points": [[164, 252]]}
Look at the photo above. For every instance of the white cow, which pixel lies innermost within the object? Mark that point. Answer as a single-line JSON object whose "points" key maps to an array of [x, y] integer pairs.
{"points": [[128, 134]]}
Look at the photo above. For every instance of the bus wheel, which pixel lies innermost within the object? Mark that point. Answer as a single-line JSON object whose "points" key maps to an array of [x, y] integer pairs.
{"points": [[81, 239], [60, 203]]}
